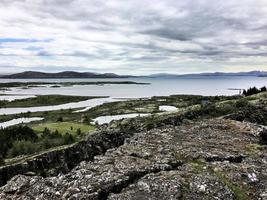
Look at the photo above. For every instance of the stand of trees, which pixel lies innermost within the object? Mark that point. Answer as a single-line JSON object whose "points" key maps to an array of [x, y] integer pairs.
{"points": [[254, 90], [22, 140]]}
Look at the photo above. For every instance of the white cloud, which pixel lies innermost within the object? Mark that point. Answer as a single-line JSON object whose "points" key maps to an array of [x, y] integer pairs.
{"points": [[145, 35]]}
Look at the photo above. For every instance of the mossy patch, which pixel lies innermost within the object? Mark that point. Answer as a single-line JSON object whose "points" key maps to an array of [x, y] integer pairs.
{"points": [[239, 192]]}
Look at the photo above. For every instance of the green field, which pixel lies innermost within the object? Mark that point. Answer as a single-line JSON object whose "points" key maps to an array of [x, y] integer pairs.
{"points": [[64, 127]]}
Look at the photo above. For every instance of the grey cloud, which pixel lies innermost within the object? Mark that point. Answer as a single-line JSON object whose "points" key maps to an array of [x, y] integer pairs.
{"points": [[144, 31]]}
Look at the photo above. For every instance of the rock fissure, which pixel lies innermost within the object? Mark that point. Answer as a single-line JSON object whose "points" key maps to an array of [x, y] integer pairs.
{"points": [[231, 159], [162, 163], [134, 177], [63, 160]]}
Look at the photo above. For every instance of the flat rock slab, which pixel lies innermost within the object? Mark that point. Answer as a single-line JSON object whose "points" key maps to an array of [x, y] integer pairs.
{"points": [[209, 159]]}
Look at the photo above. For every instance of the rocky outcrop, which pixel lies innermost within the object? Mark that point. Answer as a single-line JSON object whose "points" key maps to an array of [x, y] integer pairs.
{"points": [[210, 159], [64, 159]]}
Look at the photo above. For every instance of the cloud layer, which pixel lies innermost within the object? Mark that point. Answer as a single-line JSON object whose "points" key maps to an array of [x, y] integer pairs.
{"points": [[133, 37]]}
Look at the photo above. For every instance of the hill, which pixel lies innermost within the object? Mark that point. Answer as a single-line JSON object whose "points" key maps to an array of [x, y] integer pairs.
{"points": [[215, 74], [65, 74]]}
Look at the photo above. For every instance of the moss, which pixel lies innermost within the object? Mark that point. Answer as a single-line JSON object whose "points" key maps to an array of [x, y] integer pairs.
{"points": [[253, 149], [197, 166], [239, 192]]}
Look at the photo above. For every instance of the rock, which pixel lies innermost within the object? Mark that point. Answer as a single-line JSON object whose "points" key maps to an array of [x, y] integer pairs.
{"points": [[208, 186], [164, 185], [205, 159]]}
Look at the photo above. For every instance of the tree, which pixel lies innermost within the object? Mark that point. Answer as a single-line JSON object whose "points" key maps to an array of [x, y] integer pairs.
{"points": [[78, 132], [263, 89], [46, 132], [68, 138], [60, 119], [2, 162]]}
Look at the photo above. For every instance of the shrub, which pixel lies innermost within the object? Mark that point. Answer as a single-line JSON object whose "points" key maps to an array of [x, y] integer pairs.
{"points": [[22, 147], [263, 89], [14, 133], [46, 133], [68, 138], [78, 132], [2, 162], [241, 103], [60, 119], [263, 137]]}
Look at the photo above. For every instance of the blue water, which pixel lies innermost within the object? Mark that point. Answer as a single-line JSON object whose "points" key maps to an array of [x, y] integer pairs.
{"points": [[158, 87]]}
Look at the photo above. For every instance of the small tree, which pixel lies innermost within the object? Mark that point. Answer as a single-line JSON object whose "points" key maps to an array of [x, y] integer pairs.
{"points": [[46, 132], [241, 103], [2, 162], [79, 132], [68, 138], [60, 119], [263, 89]]}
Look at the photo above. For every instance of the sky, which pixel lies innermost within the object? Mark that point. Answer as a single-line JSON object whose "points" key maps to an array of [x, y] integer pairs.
{"points": [[136, 37]]}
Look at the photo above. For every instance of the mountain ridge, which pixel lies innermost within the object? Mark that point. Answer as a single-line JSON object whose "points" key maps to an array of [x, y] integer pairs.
{"points": [[74, 74], [63, 74], [250, 73]]}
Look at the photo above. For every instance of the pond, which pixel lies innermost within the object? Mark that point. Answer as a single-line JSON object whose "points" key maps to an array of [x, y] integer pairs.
{"points": [[108, 118]]}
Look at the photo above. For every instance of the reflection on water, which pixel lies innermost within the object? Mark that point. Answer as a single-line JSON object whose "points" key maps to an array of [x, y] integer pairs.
{"points": [[19, 121]]}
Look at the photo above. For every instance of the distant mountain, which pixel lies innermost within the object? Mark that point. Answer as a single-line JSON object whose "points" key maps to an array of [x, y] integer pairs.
{"points": [[73, 74], [65, 74], [251, 73]]}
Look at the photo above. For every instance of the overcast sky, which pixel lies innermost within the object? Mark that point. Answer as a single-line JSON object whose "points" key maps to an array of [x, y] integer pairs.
{"points": [[133, 36]]}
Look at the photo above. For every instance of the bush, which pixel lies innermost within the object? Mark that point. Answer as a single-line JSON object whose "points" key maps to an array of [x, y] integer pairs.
{"points": [[263, 137], [2, 162], [15, 133], [263, 89], [78, 132], [46, 133], [241, 103], [49, 143], [60, 119], [68, 138], [22, 148]]}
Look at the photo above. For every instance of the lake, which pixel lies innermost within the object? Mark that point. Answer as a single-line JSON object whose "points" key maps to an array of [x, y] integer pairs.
{"points": [[158, 87]]}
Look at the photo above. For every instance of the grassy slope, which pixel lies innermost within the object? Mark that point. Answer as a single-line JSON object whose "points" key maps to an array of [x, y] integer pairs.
{"points": [[64, 127]]}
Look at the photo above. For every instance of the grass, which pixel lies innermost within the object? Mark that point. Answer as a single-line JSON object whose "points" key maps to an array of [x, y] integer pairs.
{"points": [[43, 100], [240, 193], [64, 127], [253, 149]]}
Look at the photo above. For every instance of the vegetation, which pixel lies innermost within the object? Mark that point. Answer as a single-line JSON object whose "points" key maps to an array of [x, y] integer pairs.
{"points": [[43, 100], [254, 90], [64, 127], [12, 134], [263, 137], [239, 192], [23, 140], [26, 85]]}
